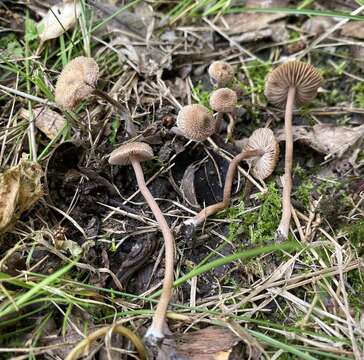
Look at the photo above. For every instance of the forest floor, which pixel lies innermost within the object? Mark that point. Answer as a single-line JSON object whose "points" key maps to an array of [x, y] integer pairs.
{"points": [[80, 249]]}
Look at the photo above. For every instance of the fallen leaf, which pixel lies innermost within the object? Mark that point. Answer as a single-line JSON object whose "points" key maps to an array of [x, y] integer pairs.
{"points": [[250, 22], [211, 343], [326, 138], [46, 120], [188, 186], [20, 188], [58, 20], [353, 29], [318, 24]]}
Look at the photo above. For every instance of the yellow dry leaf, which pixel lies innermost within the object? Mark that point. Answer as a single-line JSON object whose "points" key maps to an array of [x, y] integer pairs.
{"points": [[20, 188], [59, 19], [46, 120]]}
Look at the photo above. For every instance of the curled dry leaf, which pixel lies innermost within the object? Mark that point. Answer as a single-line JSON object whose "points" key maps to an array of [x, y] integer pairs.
{"points": [[46, 120], [20, 188], [211, 343], [250, 22], [327, 138], [353, 29], [59, 19], [188, 186]]}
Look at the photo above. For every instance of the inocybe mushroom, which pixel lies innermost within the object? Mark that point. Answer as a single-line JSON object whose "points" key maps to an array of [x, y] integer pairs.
{"points": [[134, 153], [221, 73], [196, 122], [262, 151], [224, 102], [294, 82]]}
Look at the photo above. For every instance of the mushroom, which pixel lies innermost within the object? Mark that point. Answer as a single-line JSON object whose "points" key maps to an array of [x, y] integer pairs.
{"points": [[221, 73], [196, 122], [77, 81], [262, 152], [224, 102], [134, 153], [294, 82]]}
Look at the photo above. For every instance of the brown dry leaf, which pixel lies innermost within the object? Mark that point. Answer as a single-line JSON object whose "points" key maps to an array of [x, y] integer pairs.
{"points": [[250, 22], [211, 343], [46, 120], [20, 188], [327, 138], [58, 20], [188, 186], [353, 29]]}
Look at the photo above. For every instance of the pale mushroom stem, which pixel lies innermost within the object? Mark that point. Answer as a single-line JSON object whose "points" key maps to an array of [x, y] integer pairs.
{"points": [[230, 128], [155, 332], [213, 209], [129, 123], [283, 228]]}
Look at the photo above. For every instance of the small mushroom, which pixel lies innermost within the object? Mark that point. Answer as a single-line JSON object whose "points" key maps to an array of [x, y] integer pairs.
{"points": [[262, 151], [134, 153], [77, 81], [224, 102], [196, 122], [294, 82], [221, 73]]}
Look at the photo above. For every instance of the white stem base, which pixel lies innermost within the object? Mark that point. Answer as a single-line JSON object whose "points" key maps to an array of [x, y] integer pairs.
{"points": [[153, 337]]}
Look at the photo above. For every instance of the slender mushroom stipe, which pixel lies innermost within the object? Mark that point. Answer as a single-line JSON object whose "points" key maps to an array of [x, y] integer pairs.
{"points": [[224, 102], [262, 151], [134, 153], [294, 82]]}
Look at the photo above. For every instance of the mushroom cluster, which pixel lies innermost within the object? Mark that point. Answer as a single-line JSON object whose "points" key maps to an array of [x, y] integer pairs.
{"points": [[292, 83]]}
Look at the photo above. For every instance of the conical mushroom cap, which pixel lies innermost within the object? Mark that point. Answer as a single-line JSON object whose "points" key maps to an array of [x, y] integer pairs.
{"points": [[263, 139], [196, 122], [124, 153], [221, 73], [76, 81], [304, 77], [223, 100]]}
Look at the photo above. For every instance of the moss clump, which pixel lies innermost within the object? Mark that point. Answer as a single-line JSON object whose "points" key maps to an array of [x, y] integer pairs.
{"points": [[202, 97], [358, 94], [303, 193], [356, 236], [259, 225]]}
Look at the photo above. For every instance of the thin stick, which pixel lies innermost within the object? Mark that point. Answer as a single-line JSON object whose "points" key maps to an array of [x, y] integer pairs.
{"points": [[155, 332], [213, 209], [283, 228], [78, 350], [231, 126]]}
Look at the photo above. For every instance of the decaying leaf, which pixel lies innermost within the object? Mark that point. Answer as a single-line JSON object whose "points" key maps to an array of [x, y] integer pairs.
{"points": [[58, 20], [46, 120], [250, 22], [327, 138], [188, 186], [20, 188], [211, 343], [353, 29]]}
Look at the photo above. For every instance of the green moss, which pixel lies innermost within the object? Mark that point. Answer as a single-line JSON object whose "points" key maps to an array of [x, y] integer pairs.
{"points": [[303, 193], [358, 94], [356, 236], [259, 225], [202, 97]]}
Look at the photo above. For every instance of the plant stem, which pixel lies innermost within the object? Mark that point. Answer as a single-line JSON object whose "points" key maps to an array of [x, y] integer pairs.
{"points": [[155, 332], [213, 209], [129, 126], [283, 228], [78, 350]]}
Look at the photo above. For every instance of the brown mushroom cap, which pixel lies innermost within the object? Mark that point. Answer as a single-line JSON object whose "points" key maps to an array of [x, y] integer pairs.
{"points": [[76, 81], [263, 139], [304, 77], [221, 72], [196, 122], [223, 100], [124, 153]]}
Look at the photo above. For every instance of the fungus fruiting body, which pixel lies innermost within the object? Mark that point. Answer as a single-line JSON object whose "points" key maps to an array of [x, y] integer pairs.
{"points": [[221, 73], [294, 82], [134, 153], [262, 151], [196, 122], [76, 81], [224, 101]]}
